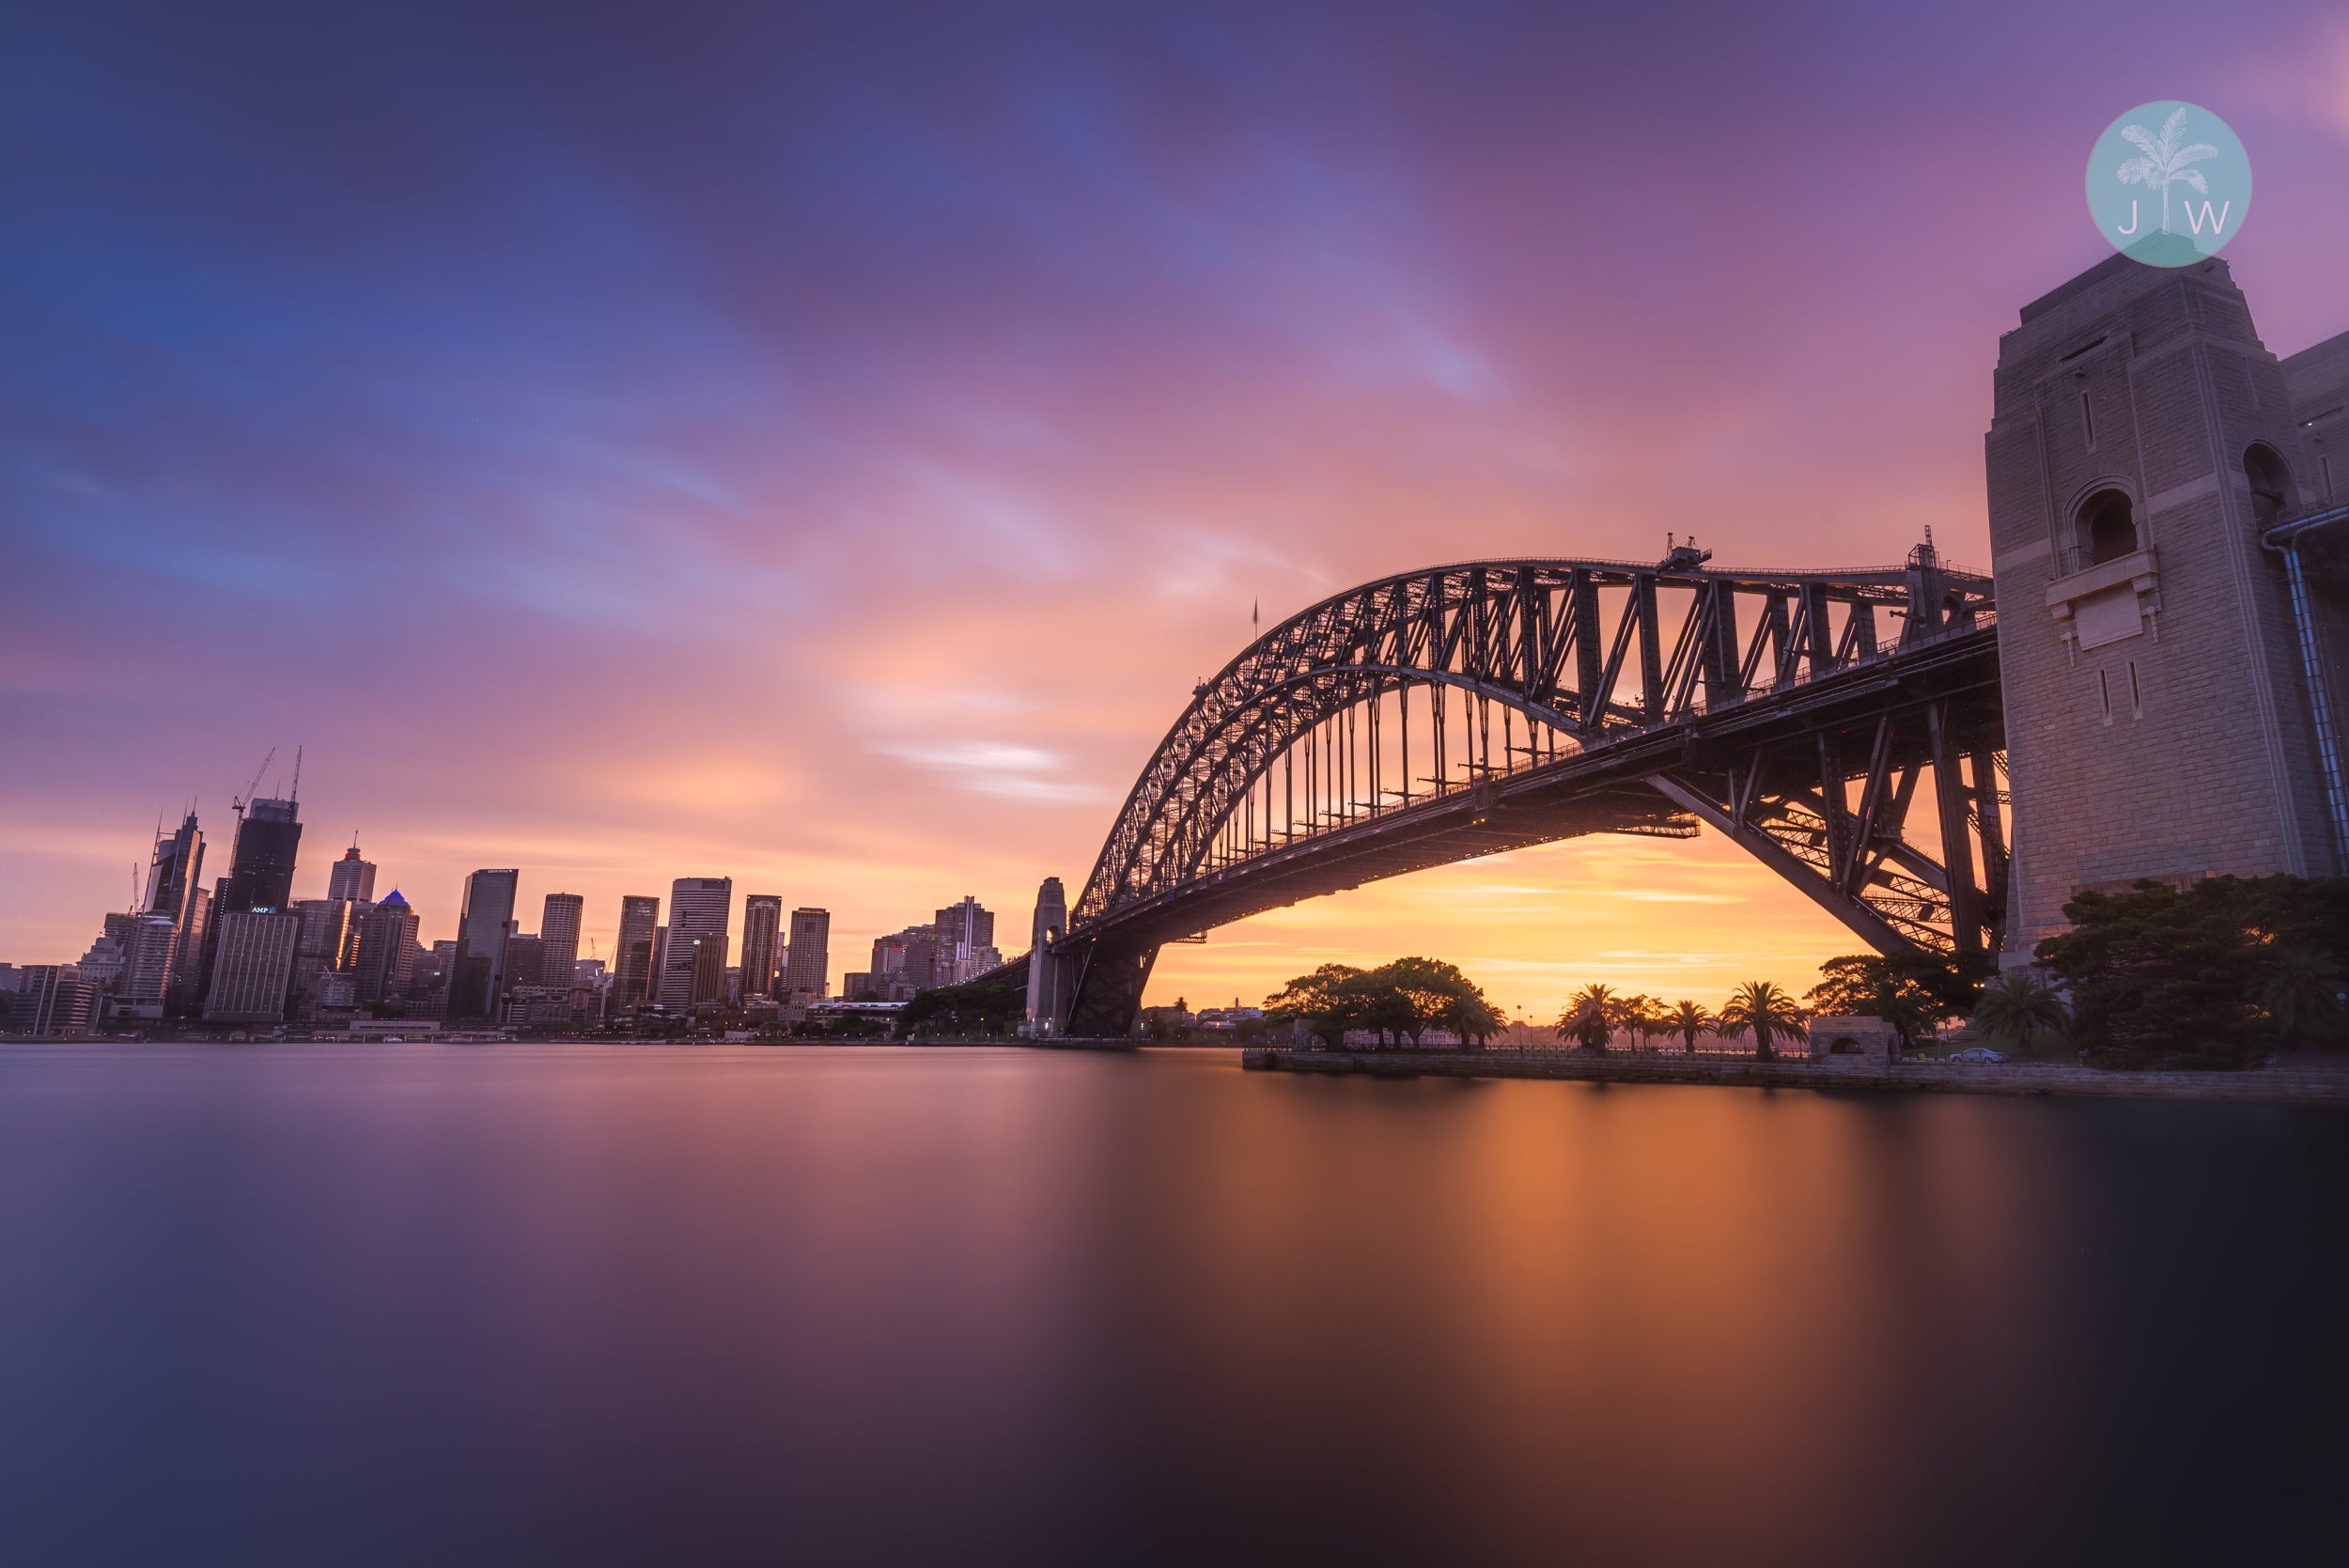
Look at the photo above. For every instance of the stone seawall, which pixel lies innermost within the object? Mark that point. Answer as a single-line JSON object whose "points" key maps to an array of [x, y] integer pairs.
{"points": [[2266, 1087]]}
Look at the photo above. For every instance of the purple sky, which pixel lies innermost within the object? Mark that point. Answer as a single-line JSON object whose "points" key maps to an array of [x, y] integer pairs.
{"points": [[823, 448]]}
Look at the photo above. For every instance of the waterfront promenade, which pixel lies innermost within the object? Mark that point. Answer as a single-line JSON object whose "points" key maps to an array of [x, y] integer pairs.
{"points": [[2285, 1085]]}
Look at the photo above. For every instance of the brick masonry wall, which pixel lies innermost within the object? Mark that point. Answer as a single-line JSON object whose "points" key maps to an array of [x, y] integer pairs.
{"points": [[2211, 768]]}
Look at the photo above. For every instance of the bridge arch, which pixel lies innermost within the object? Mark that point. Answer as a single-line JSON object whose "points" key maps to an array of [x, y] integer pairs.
{"points": [[1438, 715]]}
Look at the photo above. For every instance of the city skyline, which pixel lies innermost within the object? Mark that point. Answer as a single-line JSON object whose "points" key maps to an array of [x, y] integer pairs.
{"points": [[981, 510]]}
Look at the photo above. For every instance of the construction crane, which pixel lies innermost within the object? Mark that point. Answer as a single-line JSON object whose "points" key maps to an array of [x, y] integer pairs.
{"points": [[239, 805]]}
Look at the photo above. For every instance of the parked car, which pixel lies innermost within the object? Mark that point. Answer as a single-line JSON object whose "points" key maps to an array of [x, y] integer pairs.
{"points": [[1978, 1053]]}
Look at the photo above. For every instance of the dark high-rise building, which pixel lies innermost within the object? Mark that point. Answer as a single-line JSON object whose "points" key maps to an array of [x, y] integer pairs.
{"points": [[350, 878], [388, 949], [252, 966], [485, 920], [261, 864], [810, 968], [525, 955], [709, 969], [187, 965], [966, 941], [260, 873], [175, 873], [905, 962], [558, 938], [632, 954], [325, 942], [699, 906], [762, 923]]}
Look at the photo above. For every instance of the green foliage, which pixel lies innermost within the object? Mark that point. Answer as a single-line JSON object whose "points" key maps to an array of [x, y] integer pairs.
{"points": [[2014, 1007], [986, 1007], [1759, 1007], [1689, 1020], [1591, 1016], [1399, 1000], [2210, 976], [1911, 991], [2302, 992], [848, 1027]]}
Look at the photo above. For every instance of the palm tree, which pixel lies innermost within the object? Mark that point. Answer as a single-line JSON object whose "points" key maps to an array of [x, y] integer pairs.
{"points": [[2165, 160], [1689, 1020], [1590, 1018], [2016, 1007], [2301, 993], [1759, 1005]]}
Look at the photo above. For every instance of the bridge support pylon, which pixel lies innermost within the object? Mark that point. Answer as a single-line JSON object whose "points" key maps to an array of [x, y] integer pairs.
{"points": [[1102, 981]]}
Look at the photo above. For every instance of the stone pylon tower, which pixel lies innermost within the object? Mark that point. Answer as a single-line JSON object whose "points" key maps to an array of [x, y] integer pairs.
{"points": [[2157, 710], [1044, 971]]}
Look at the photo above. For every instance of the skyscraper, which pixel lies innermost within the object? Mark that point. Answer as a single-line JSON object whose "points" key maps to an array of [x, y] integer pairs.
{"points": [[762, 921], [261, 864], [905, 962], [147, 977], [325, 942], [709, 970], [175, 873], [352, 877], [253, 963], [174, 893], [558, 939], [631, 956], [966, 941], [260, 873], [811, 955], [388, 949], [477, 968], [699, 906], [525, 954], [187, 965]]}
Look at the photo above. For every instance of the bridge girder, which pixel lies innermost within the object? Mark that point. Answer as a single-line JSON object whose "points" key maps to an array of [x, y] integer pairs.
{"points": [[1628, 729]]}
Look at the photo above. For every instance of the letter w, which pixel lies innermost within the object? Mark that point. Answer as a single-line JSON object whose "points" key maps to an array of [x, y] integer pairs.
{"points": [[2195, 221]]}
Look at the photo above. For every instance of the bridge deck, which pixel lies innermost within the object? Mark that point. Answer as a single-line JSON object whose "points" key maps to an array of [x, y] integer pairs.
{"points": [[1600, 789]]}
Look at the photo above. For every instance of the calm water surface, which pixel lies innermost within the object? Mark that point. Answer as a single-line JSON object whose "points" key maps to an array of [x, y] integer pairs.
{"points": [[438, 1304]]}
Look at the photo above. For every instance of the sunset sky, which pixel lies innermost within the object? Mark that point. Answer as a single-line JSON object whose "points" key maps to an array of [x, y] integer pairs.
{"points": [[823, 449]]}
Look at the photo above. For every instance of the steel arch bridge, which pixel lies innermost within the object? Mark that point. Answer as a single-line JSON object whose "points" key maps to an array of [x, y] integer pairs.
{"points": [[1843, 726]]}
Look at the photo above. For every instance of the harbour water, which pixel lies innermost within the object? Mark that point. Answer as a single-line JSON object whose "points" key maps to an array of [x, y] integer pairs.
{"points": [[593, 1303]]}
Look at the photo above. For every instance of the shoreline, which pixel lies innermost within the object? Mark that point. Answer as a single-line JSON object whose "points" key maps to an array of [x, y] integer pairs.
{"points": [[2259, 1086]]}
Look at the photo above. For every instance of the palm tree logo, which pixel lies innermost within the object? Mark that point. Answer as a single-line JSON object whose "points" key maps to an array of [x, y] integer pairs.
{"points": [[2164, 160]]}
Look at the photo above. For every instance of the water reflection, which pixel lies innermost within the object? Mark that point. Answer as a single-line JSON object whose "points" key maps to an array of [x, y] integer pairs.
{"points": [[398, 1304]]}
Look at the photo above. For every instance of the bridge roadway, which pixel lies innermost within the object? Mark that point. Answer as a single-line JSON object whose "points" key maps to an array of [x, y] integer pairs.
{"points": [[1664, 780], [1609, 788]]}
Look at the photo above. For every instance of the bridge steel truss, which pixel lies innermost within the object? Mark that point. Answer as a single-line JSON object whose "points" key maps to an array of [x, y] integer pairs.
{"points": [[1810, 717]]}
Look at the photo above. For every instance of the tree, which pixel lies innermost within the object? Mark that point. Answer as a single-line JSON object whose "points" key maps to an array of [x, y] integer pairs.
{"points": [[1590, 1018], [2016, 1007], [1909, 991], [1639, 1016], [2165, 160], [2163, 976], [1328, 1002], [1769, 1013], [1403, 997], [1689, 1020], [987, 1007], [2301, 993], [1467, 1014]]}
